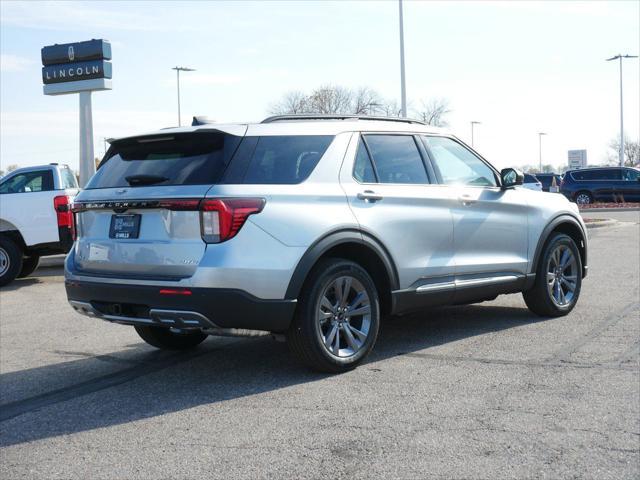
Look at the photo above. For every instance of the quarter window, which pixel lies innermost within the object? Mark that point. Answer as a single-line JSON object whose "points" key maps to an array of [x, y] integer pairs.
{"points": [[285, 159], [457, 165], [396, 159], [363, 169]]}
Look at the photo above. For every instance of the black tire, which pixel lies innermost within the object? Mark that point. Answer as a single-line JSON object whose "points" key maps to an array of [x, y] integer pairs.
{"points": [[29, 264], [584, 198], [10, 260], [539, 300], [165, 339], [305, 336]]}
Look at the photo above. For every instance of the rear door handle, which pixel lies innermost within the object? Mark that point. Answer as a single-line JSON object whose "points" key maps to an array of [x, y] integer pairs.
{"points": [[467, 200], [369, 196]]}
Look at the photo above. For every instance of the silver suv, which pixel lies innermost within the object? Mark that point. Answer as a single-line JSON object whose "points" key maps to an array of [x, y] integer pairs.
{"points": [[312, 228]]}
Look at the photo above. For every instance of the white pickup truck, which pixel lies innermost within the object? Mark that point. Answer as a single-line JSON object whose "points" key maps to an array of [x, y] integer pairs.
{"points": [[35, 217]]}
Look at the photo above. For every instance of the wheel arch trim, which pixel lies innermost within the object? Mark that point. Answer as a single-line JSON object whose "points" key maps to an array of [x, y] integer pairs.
{"points": [[546, 233], [332, 240]]}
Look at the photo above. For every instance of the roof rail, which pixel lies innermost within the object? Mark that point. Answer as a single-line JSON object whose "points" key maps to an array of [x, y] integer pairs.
{"points": [[294, 117]]}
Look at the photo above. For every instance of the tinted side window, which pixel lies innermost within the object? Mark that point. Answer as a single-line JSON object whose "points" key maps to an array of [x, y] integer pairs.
{"points": [[612, 174], [363, 169], [39, 181], [285, 159], [397, 159], [457, 165], [631, 175], [528, 178]]}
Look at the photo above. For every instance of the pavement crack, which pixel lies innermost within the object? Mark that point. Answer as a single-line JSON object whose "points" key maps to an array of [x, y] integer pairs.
{"points": [[565, 353], [524, 363]]}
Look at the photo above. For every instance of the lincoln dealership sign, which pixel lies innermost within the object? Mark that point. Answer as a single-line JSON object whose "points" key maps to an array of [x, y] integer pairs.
{"points": [[80, 66]]}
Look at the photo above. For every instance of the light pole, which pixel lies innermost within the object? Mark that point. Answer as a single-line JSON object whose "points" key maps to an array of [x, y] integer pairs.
{"points": [[403, 87], [540, 134], [473, 122], [178, 70], [621, 151]]}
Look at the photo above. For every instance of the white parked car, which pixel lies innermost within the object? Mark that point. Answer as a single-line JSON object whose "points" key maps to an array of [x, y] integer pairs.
{"points": [[531, 182], [35, 217]]}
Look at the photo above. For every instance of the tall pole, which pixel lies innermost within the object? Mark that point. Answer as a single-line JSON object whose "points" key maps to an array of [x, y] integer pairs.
{"points": [[621, 152], [178, 83], [87, 161], [178, 70], [621, 149], [540, 134], [473, 122], [403, 86]]}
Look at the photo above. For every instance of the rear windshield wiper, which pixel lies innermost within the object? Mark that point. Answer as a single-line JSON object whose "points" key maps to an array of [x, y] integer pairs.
{"points": [[134, 180]]}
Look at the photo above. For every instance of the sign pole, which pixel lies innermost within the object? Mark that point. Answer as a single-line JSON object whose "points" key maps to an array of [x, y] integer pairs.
{"points": [[87, 161]]}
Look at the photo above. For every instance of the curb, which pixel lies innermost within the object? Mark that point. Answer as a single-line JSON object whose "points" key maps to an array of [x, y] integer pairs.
{"points": [[603, 223], [596, 210]]}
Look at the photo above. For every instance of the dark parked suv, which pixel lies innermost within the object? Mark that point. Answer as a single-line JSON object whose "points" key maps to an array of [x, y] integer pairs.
{"points": [[610, 184]]}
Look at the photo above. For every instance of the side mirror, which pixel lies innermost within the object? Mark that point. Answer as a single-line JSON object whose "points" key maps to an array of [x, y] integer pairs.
{"points": [[511, 177]]}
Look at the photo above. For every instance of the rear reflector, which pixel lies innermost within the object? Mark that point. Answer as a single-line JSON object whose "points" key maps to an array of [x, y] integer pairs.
{"points": [[174, 291]]}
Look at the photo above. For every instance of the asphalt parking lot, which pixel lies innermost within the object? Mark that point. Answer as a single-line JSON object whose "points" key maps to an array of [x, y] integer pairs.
{"points": [[482, 391]]}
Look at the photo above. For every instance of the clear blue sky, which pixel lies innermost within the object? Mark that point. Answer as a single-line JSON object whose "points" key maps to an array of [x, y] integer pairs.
{"points": [[518, 67]]}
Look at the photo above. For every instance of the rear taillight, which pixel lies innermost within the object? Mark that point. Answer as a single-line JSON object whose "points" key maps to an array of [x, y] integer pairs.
{"points": [[222, 219], [62, 206]]}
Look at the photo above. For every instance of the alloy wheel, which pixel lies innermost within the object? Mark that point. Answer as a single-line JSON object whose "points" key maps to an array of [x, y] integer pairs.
{"points": [[343, 318], [583, 199], [562, 275]]}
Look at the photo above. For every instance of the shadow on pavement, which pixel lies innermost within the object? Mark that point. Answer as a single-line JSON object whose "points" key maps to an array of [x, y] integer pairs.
{"points": [[33, 279], [221, 369]]}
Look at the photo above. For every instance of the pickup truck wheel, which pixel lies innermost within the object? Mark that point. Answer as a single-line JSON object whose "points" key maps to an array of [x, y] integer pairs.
{"points": [[165, 339], [338, 318], [558, 279], [10, 260], [29, 264]]}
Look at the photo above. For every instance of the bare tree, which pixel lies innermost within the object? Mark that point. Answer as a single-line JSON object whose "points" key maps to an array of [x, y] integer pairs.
{"points": [[366, 101], [292, 102], [330, 99], [434, 111], [631, 152], [334, 99], [391, 108]]}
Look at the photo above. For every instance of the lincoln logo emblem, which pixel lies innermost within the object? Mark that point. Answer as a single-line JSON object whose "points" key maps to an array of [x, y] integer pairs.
{"points": [[71, 54]]}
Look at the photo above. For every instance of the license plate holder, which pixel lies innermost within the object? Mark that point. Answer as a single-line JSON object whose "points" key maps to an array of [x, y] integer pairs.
{"points": [[125, 226]]}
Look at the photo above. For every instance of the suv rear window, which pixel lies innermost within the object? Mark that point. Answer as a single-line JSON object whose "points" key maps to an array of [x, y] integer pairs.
{"points": [[194, 158]]}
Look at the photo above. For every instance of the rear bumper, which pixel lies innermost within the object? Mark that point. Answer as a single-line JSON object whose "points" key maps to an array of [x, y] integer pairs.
{"points": [[204, 308]]}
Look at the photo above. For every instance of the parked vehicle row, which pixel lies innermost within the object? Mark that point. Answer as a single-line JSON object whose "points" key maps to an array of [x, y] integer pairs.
{"points": [[610, 184], [312, 228], [35, 217]]}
